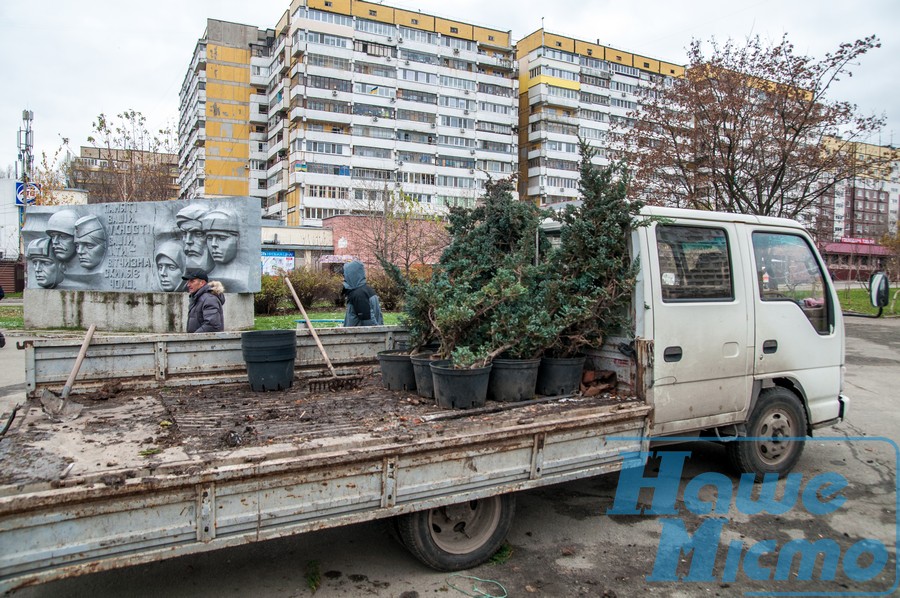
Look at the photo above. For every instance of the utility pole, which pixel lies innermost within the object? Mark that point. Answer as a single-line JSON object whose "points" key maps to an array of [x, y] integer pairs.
{"points": [[26, 142]]}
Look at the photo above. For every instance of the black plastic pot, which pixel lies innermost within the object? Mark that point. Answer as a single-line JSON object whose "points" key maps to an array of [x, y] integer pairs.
{"points": [[397, 370], [460, 388], [269, 355], [513, 379], [560, 375], [421, 363]]}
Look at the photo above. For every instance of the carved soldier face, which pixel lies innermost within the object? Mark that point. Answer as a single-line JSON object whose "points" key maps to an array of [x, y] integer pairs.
{"points": [[223, 246], [193, 239], [169, 273], [47, 272], [90, 251], [63, 246]]}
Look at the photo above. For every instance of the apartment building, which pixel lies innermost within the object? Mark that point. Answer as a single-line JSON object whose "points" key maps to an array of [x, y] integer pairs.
{"points": [[570, 88], [109, 175], [344, 102], [223, 105], [385, 101]]}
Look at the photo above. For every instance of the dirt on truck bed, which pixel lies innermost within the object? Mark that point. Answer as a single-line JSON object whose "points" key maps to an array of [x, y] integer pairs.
{"points": [[134, 434]]}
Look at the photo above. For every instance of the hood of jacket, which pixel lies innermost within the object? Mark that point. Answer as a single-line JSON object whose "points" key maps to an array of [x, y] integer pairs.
{"points": [[354, 276], [213, 288]]}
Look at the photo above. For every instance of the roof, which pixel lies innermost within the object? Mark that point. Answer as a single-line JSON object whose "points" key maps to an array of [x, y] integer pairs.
{"points": [[856, 249]]}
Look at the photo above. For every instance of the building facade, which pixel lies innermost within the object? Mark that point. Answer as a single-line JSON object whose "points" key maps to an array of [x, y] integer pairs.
{"points": [[223, 105], [569, 89], [111, 175]]}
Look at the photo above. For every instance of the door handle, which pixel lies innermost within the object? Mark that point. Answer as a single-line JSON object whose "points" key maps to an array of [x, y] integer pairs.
{"points": [[770, 347], [671, 354]]}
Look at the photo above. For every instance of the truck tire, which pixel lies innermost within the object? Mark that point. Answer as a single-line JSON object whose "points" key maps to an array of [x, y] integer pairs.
{"points": [[459, 536], [778, 414]]}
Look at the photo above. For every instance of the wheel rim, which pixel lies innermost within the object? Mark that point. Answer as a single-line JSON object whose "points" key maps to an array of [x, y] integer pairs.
{"points": [[773, 428], [464, 527]]}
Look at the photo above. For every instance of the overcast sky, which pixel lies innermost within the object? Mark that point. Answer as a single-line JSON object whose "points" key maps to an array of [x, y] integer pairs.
{"points": [[70, 61]]}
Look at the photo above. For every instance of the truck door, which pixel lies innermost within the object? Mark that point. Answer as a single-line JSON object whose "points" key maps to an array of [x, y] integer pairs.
{"points": [[701, 325], [799, 330]]}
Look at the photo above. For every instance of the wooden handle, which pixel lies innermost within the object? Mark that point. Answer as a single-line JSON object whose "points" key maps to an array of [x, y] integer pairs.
{"points": [[74, 373], [309, 325]]}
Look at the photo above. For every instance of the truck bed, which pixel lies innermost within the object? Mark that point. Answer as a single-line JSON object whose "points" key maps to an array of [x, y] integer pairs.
{"points": [[144, 475]]}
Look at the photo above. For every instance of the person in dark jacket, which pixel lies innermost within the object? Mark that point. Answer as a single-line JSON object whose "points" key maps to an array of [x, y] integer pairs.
{"points": [[363, 306], [207, 298]]}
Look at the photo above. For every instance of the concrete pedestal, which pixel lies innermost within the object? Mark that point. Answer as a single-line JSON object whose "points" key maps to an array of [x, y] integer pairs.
{"points": [[124, 312]]}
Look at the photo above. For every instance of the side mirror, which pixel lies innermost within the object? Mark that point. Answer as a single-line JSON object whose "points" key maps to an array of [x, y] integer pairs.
{"points": [[879, 289]]}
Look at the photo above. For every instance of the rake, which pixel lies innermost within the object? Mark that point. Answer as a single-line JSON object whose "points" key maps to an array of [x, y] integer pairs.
{"points": [[333, 382]]}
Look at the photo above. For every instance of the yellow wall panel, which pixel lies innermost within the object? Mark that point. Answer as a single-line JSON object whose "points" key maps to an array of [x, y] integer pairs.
{"points": [[226, 187], [226, 54], [555, 82], [226, 72], [338, 6], [232, 93], [453, 28], [528, 43], [646, 64], [500, 38], [620, 57], [374, 12], [558, 42], [673, 70], [227, 149], [592, 50], [415, 20], [227, 130], [227, 111]]}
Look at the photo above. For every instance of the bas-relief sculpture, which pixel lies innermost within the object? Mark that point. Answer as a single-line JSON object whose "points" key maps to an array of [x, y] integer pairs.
{"points": [[144, 247]]}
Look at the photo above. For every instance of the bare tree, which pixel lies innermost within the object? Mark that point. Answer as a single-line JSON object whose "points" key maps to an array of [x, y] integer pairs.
{"points": [[127, 162], [749, 129], [395, 226], [52, 174]]}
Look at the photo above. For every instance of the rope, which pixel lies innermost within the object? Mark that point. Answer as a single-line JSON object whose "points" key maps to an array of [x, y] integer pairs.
{"points": [[476, 591]]}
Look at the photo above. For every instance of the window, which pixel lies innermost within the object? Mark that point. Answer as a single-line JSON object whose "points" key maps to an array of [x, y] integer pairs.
{"points": [[694, 264], [371, 152], [418, 57], [787, 270], [454, 30], [327, 40], [374, 26]]}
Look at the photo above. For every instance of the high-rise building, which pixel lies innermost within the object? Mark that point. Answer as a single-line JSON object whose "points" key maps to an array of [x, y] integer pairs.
{"points": [[569, 89], [344, 102], [222, 129]]}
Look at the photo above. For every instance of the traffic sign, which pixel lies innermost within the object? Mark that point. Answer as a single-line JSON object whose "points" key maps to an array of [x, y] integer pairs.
{"points": [[32, 193]]}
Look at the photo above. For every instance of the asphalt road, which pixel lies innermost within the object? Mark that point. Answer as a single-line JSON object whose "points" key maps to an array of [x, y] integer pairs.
{"points": [[564, 543]]}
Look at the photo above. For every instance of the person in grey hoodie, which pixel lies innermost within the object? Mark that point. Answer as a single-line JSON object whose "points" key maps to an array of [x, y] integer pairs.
{"points": [[363, 306], [207, 298]]}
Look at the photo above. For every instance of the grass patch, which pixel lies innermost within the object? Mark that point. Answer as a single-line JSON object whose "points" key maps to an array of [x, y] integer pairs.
{"points": [[313, 576], [503, 554], [11, 317], [289, 321], [856, 300]]}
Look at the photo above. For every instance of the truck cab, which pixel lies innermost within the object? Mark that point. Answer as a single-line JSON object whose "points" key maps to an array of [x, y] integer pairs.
{"points": [[743, 330]]}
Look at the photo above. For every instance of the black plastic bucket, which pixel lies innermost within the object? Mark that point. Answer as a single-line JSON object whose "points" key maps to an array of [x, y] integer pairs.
{"points": [[397, 370], [513, 379], [269, 355], [421, 363], [459, 388], [560, 375]]}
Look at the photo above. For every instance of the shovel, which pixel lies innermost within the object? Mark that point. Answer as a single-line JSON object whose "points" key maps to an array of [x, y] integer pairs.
{"points": [[59, 407]]}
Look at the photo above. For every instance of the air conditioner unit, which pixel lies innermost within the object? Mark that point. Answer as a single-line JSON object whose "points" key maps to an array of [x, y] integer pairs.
{"points": [[433, 126], [399, 40], [562, 189], [456, 50], [465, 111], [462, 130], [390, 39], [388, 58], [334, 93], [406, 62], [393, 100], [472, 152], [471, 171], [374, 119], [466, 92], [624, 95]]}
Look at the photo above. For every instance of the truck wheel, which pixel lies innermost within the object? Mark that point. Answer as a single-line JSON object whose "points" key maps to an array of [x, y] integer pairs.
{"points": [[458, 536], [778, 414]]}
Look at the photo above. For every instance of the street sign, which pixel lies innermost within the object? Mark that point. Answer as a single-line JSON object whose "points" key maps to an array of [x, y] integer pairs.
{"points": [[32, 193]]}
